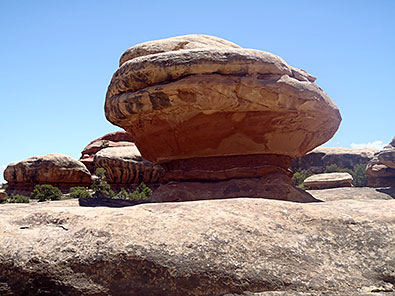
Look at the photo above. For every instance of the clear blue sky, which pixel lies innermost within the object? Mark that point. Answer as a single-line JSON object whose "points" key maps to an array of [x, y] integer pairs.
{"points": [[57, 58]]}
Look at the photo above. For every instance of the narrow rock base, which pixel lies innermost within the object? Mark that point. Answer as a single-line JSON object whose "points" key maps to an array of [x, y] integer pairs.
{"points": [[274, 186]]}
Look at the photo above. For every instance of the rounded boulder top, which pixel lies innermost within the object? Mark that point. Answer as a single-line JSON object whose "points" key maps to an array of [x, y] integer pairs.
{"points": [[201, 96]]}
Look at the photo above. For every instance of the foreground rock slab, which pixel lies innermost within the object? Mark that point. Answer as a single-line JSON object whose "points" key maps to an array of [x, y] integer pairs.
{"points": [[235, 246]]}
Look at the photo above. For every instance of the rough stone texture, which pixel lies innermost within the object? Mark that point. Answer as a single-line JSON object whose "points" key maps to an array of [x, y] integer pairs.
{"points": [[115, 139], [175, 98], [381, 169], [317, 160], [3, 195], [328, 180], [56, 169], [387, 156], [353, 193], [124, 166], [203, 98], [235, 246]]}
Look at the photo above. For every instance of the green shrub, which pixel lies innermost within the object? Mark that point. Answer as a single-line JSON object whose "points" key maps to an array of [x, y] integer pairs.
{"points": [[122, 194], [299, 177], [142, 192], [4, 186], [359, 175], [79, 192], [18, 198], [46, 192], [100, 186]]}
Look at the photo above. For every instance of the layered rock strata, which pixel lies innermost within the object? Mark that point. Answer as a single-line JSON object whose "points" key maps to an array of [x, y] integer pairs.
{"points": [[381, 169], [227, 118], [55, 169], [328, 180], [317, 160], [125, 168], [115, 139]]}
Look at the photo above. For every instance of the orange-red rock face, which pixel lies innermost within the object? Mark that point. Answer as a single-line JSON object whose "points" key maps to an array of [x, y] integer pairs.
{"points": [[196, 96]]}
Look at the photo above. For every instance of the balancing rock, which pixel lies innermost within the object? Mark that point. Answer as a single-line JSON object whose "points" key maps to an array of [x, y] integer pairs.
{"points": [[219, 117]]}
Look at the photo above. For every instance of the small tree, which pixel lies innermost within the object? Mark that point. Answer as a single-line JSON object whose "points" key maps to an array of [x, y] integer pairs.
{"points": [[100, 186], [79, 192], [142, 192], [46, 192], [122, 194], [18, 198], [299, 177]]}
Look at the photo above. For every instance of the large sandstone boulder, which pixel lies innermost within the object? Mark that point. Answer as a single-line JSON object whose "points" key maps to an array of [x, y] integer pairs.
{"points": [[317, 160], [381, 169], [237, 246], [55, 169], [219, 112], [125, 167], [328, 180], [115, 139]]}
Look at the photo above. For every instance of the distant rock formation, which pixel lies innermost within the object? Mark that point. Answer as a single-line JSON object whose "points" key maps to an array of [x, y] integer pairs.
{"points": [[222, 120], [328, 180], [125, 168], [240, 246], [115, 139], [381, 169], [55, 169], [317, 160]]}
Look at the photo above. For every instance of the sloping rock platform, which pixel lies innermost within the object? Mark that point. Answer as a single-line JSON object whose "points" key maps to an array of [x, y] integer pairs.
{"points": [[244, 246]]}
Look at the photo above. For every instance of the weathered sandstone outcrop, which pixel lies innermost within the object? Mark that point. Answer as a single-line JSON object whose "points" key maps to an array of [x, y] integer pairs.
{"points": [[3, 195], [115, 139], [328, 180], [125, 167], [227, 118], [317, 160], [55, 169], [381, 169], [387, 155], [237, 246]]}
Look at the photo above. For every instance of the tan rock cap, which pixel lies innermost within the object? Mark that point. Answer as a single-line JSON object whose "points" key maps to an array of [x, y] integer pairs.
{"points": [[200, 96]]}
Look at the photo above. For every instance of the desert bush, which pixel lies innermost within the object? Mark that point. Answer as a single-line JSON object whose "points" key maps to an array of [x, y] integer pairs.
{"points": [[18, 198], [46, 192], [122, 194], [100, 186], [299, 177], [142, 192], [79, 192], [4, 186], [359, 176]]}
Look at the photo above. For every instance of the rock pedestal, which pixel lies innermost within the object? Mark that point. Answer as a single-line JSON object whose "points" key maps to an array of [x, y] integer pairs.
{"points": [[219, 118]]}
